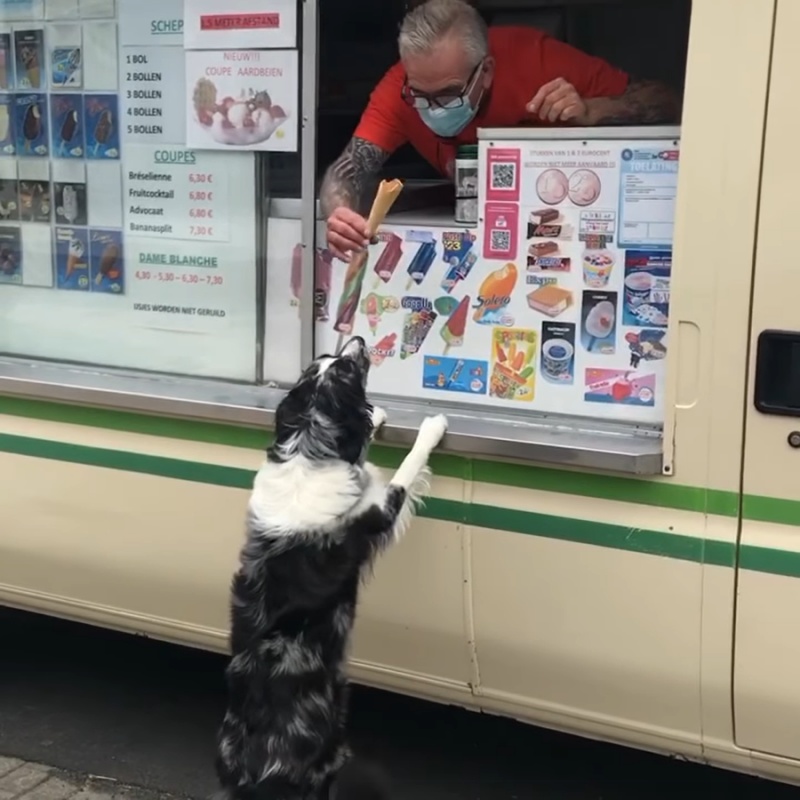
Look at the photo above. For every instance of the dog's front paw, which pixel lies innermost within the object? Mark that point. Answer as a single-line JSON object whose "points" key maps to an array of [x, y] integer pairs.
{"points": [[378, 419], [433, 429]]}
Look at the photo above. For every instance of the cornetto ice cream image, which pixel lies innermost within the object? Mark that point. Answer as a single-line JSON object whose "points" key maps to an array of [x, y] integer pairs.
{"points": [[29, 48], [248, 119]]}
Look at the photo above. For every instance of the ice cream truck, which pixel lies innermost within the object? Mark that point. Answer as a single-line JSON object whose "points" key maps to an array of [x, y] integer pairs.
{"points": [[610, 546]]}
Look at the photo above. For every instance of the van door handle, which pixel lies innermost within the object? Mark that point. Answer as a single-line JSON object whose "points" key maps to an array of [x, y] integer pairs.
{"points": [[777, 381]]}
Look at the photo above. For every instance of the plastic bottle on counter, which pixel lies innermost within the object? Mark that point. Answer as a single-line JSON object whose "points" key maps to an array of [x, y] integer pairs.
{"points": [[466, 181]]}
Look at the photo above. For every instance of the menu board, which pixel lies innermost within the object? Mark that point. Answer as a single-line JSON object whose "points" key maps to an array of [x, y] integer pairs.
{"points": [[110, 226], [558, 302]]}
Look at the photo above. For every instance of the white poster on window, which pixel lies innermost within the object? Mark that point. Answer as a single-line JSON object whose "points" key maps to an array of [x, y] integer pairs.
{"points": [[216, 25], [242, 100]]}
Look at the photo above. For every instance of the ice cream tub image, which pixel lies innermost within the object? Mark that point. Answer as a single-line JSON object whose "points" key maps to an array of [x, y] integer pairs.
{"points": [[638, 288], [557, 360], [597, 266]]}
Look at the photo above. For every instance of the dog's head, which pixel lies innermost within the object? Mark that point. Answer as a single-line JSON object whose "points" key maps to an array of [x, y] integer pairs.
{"points": [[326, 415]]}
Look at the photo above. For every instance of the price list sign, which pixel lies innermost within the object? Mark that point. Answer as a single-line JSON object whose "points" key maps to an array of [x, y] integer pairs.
{"points": [[173, 193]]}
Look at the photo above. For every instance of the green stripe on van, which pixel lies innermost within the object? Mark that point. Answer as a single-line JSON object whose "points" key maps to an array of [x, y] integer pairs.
{"points": [[587, 532], [664, 494]]}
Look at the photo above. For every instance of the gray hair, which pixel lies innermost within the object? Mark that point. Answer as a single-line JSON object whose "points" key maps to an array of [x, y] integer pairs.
{"points": [[433, 20]]}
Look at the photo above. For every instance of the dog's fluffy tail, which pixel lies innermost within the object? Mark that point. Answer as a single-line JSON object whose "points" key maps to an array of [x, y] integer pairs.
{"points": [[360, 780]]}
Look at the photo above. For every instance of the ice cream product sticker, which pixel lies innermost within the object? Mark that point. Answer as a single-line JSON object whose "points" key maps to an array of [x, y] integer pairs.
{"points": [[10, 255], [647, 288], [70, 203], [494, 296], [101, 126], [383, 349], [374, 306], [106, 262], [72, 259], [599, 322], [30, 124], [453, 329], [646, 345], [416, 326], [9, 199], [460, 375], [558, 352], [66, 124], [620, 387], [513, 364], [6, 62], [66, 66], [29, 49], [8, 139], [35, 204]]}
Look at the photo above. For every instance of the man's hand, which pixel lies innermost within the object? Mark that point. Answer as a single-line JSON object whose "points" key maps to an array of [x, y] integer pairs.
{"points": [[559, 101], [347, 233]]}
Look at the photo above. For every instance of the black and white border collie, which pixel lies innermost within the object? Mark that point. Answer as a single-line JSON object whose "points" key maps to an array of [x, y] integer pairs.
{"points": [[318, 516]]}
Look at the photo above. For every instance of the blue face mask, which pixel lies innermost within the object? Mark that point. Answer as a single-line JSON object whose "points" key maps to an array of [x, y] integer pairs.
{"points": [[450, 121]]}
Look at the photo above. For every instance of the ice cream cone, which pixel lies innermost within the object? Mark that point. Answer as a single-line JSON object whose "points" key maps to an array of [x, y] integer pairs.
{"points": [[387, 193], [33, 76]]}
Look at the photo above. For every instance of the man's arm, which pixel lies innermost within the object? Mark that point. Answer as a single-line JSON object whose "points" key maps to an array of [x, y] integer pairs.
{"points": [[348, 180], [642, 103]]}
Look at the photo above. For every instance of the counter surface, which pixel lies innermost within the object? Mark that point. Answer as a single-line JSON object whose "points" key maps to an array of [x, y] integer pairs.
{"points": [[472, 431]]}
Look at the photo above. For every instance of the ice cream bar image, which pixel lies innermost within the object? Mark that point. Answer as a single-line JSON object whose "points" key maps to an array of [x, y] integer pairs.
{"points": [[30, 60], [550, 299], [322, 283], [105, 124], [69, 127], [373, 312], [542, 216], [351, 294], [459, 272], [69, 202], [539, 249], [453, 329], [5, 123], [32, 124], [382, 349], [74, 257], [421, 263], [108, 264], [389, 259], [296, 279]]}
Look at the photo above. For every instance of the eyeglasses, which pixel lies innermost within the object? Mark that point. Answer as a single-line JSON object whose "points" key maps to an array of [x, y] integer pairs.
{"points": [[446, 99]]}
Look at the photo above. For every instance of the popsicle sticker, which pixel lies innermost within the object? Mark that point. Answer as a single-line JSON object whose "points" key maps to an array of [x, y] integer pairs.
{"points": [[374, 306], [453, 329], [421, 263], [357, 268], [416, 324], [513, 357], [388, 260], [495, 294], [385, 348], [101, 126], [323, 267]]}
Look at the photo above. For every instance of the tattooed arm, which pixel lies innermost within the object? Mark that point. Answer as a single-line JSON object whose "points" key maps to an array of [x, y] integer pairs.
{"points": [[642, 103], [345, 195], [349, 179]]}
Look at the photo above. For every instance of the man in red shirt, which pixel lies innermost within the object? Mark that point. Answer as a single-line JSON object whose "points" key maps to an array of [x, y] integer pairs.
{"points": [[456, 75]]}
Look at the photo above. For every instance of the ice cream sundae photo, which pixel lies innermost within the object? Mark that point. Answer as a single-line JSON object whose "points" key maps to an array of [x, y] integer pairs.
{"points": [[245, 120]]}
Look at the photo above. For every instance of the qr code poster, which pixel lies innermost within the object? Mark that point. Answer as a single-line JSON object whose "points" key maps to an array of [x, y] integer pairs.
{"points": [[500, 231], [502, 173]]}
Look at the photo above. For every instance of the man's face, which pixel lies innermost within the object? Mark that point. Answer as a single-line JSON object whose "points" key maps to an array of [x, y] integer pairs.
{"points": [[447, 72]]}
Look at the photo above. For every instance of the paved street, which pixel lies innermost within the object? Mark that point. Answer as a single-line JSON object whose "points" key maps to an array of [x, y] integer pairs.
{"points": [[135, 713]]}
